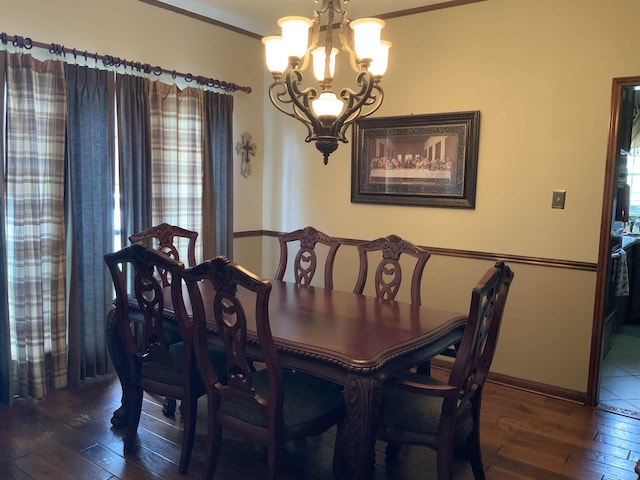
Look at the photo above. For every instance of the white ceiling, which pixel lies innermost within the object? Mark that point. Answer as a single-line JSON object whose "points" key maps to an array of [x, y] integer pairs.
{"points": [[260, 16]]}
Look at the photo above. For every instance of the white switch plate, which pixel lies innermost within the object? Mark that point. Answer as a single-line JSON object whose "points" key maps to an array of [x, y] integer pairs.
{"points": [[558, 198]]}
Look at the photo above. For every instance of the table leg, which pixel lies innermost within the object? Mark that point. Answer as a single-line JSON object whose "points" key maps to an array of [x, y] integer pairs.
{"points": [[356, 455]]}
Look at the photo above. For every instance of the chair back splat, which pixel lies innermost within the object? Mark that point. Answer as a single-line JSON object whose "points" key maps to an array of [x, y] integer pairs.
{"points": [[418, 409], [162, 237], [388, 275], [269, 406], [306, 259]]}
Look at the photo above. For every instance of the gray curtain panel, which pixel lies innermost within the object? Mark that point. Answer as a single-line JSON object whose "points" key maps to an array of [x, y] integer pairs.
{"points": [[6, 387], [90, 96], [217, 197], [134, 154]]}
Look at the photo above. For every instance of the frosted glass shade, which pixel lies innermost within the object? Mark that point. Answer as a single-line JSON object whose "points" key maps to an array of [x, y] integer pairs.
{"points": [[366, 36], [319, 62], [295, 35], [380, 62], [277, 58], [327, 105]]}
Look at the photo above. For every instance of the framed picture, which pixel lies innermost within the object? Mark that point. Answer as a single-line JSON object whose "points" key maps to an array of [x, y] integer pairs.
{"points": [[429, 160]]}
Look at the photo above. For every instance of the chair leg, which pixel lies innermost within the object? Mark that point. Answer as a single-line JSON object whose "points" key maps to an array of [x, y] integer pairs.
{"points": [[118, 355], [133, 413], [473, 441], [473, 447], [475, 457], [274, 454], [444, 457], [190, 415], [214, 437], [424, 368], [169, 407], [392, 451]]}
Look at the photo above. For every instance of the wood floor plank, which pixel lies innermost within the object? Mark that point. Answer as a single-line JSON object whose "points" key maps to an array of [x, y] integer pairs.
{"points": [[117, 465], [11, 471], [35, 433], [524, 436], [39, 468], [499, 473]]}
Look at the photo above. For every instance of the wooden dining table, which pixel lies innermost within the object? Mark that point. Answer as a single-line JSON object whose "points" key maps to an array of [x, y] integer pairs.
{"points": [[355, 341]]}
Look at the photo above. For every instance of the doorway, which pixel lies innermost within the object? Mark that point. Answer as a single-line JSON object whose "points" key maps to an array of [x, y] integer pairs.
{"points": [[619, 388], [614, 373]]}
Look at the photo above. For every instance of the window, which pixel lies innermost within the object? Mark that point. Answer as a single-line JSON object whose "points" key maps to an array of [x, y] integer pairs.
{"points": [[633, 179]]}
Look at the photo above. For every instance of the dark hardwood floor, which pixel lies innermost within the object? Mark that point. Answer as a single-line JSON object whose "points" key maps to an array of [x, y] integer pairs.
{"points": [[524, 436]]}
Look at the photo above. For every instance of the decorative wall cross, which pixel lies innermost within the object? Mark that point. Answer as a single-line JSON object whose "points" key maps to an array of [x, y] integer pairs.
{"points": [[246, 147]]}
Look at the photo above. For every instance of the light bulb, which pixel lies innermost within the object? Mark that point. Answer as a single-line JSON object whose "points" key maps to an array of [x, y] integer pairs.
{"points": [[295, 35], [366, 36], [380, 61], [319, 61], [277, 59], [327, 105]]}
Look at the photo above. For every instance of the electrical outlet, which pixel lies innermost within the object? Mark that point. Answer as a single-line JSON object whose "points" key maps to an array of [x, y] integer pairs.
{"points": [[558, 198]]}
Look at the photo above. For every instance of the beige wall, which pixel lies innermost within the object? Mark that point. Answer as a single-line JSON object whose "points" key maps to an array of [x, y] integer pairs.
{"points": [[137, 31], [540, 73]]}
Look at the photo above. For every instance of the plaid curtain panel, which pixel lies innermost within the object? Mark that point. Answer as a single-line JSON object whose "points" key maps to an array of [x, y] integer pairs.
{"points": [[35, 145], [166, 137], [176, 158]]}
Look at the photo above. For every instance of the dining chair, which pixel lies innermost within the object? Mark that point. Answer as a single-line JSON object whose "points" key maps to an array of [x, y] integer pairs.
{"points": [[164, 237], [306, 259], [269, 406], [388, 274], [151, 364], [445, 416]]}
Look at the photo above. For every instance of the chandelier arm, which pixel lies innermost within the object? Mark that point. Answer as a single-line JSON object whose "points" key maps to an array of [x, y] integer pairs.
{"points": [[346, 42], [366, 81], [324, 7], [359, 114], [355, 101], [301, 99], [281, 98], [374, 101]]}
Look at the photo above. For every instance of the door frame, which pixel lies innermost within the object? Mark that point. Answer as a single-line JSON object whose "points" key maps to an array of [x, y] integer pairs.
{"points": [[604, 253]]}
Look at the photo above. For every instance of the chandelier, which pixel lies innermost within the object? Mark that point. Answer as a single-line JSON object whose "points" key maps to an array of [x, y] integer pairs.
{"points": [[326, 115]]}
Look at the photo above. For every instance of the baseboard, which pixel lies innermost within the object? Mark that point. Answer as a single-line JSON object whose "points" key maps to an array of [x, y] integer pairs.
{"points": [[527, 385]]}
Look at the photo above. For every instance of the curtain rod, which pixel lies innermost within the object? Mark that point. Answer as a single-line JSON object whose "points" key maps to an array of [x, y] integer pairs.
{"points": [[111, 61]]}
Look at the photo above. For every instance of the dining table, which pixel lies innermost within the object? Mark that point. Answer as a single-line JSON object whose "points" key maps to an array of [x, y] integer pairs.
{"points": [[355, 341]]}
